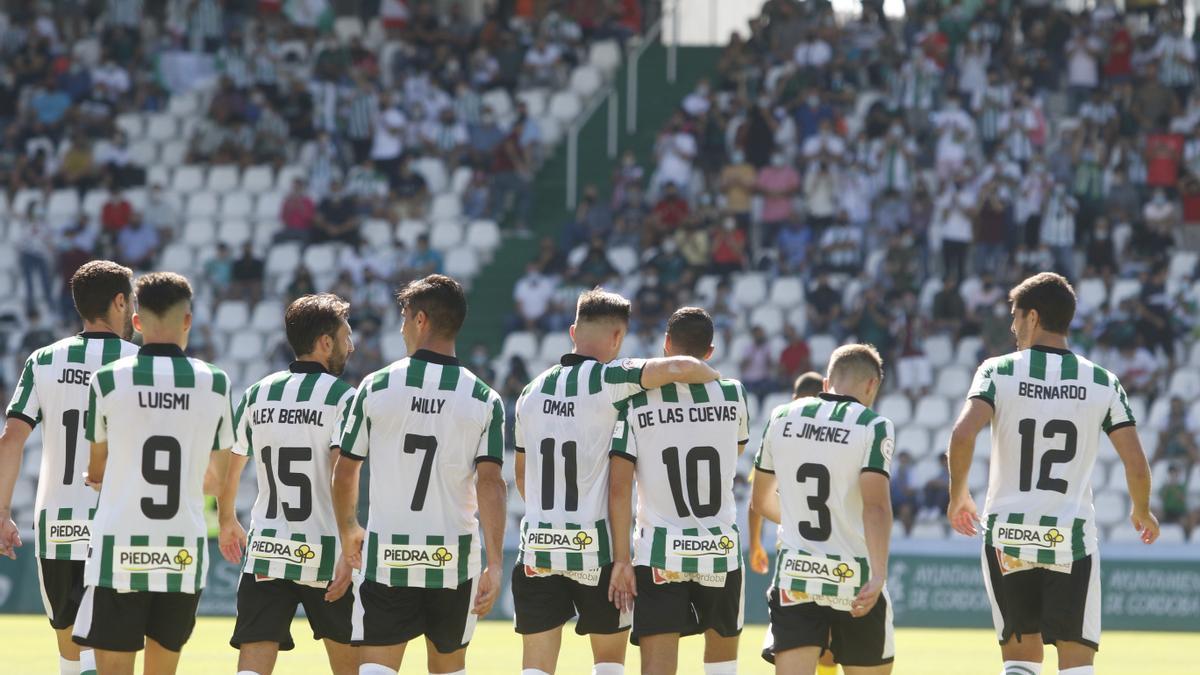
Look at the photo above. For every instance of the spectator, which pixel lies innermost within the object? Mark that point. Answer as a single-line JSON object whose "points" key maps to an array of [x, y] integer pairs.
{"points": [[301, 284], [755, 362], [411, 192], [512, 180], [532, 294], [779, 184], [218, 270], [35, 254], [796, 356], [905, 495], [670, 211], [424, 260], [1172, 497], [337, 217], [138, 244], [914, 372], [738, 181], [949, 310], [246, 276], [160, 212], [1177, 439], [676, 150], [298, 215]]}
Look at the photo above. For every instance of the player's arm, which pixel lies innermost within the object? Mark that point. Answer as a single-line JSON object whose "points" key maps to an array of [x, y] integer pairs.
{"points": [[758, 554], [346, 472], [1137, 476], [519, 471], [96, 464], [764, 499], [622, 588], [962, 512], [214, 476], [492, 493], [877, 526], [233, 536], [12, 447], [683, 369]]}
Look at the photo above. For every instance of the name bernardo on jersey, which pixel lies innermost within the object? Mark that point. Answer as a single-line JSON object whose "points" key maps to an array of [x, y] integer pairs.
{"points": [[1049, 392], [680, 415]]}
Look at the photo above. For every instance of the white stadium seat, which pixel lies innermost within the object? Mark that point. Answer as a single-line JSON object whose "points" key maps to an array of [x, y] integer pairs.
{"points": [[1171, 533], [586, 81], [393, 346], [1185, 384], [237, 205], [162, 127], [535, 101], [787, 293], [939, 349], [268, 205], [553, 130], [187, 179], [821, 346], [257, 179], [172, 153], [928, 531], [377, 233], [131, 124], [445, 207], [202, 205], [1182, 265], [410, 230], [484, 236], [565, 106], [444, 236], [554, 345], [462, 264], [519, 343], [282, 259], [199, 232], [606, 56], [267, 317], [223, 178], [933, 412], [186, 104], [143, 152], [953, 381], [321, 259], [231, 316], [176, 257], [246, 346], [433, 170], [1122, 289], [749, 290], [460, 180], [769, 318], [895, 407], [913, 440], [499, 101], [234, 233], [967, 352], [1111, 508], [1091, 293], [624, 259], [63, 204]]}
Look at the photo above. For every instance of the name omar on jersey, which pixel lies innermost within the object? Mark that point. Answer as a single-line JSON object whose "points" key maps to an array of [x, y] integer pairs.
{"points": [[287, 416], [681, 414]]}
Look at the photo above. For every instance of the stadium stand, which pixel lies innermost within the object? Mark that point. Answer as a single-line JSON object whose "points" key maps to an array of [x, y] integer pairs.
{"points": [[836, 178]]}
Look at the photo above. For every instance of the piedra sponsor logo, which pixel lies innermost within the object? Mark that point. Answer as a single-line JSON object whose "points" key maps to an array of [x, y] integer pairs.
{"points": [[297, 553], [553, 540], [68, 531], [1017, 535], [699, 547], [416, 556], [156, 559], [814, 569]]}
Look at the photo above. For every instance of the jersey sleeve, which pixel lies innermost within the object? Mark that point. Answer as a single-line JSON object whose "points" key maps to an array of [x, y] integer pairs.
{"points": [[623, 443], [95, 422], [882, 442], [491, 442], [355, 432], [983, 387], [243, 439], [743, 416], [1119, 414], [225, 436], [518, 428], [342, 413], [623, 378], [764, 461], [25, 405]]}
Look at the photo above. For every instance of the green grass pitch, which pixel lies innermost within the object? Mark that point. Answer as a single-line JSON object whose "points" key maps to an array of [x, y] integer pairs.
{"points": [[28, 647]]}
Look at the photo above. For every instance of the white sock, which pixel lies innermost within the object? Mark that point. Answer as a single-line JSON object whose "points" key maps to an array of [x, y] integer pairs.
{"points": [[1078, 670], [721, 668], [375, 669], [246, 672], [608, 669], [457, 672], [533, 671], [87, 662], [1022, 668], [66, 667]]}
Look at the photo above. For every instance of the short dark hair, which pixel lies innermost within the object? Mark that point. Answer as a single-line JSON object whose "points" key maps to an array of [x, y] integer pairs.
{"points": [[808, 384], [311, 316], [159, 292], [441, 298], [1053, 298], [859, 361], [691, 331], [599, 304], [96, 284]]}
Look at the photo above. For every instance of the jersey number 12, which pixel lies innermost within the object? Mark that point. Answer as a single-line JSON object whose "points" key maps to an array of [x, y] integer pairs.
{"points": [[1053, 428]]}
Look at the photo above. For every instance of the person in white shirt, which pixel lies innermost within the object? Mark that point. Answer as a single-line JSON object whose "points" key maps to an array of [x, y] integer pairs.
{"points": [[1083, 66], [676, 150], [1058, 228], [543, 63], [533, 293], [812, 52], [388, 141], [952, 218]]}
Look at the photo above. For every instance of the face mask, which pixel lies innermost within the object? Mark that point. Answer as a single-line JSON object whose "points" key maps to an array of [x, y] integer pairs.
{"points": [[738, 157], [670, 246], [778, 160], [813, 101]]}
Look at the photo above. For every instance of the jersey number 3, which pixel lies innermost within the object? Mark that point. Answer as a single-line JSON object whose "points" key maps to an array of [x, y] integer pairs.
{"points": [[1053, 428]]}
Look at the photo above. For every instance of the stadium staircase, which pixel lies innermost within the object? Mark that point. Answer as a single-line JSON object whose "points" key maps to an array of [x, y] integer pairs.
{"points": [[491, 292]]}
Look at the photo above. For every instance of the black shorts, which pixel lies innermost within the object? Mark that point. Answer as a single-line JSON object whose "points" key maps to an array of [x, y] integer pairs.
{"points": [[265, 610], [686, 607], [392, 615], [866, 641], [545, 603], [62, 590], [1061, 606], [121, 622]]}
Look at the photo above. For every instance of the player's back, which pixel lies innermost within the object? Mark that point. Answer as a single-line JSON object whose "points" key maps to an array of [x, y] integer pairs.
{"points": [[565, 420], [685, 440], [287, 423], [818, 447], [53, 389], [1050, 407], [161, 414], [424, 421]]}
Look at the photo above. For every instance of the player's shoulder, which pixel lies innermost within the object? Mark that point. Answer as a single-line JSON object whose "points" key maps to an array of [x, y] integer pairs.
{"points": [[217, 378], [44, 356], [478, 389]]}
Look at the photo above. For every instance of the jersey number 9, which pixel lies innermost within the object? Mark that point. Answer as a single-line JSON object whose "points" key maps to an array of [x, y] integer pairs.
{"points": [[167, 477]]}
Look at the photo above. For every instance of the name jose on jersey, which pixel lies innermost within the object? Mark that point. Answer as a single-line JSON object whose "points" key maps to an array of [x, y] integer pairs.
{"points": [[687, 414], [74, 376]]}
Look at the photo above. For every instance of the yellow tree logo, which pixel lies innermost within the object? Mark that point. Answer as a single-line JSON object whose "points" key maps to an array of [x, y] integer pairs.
{"points": [[843, 572], [304, 553], [183, 559], [726, 544], [1054, 537], [582, 539], [442, 556]]}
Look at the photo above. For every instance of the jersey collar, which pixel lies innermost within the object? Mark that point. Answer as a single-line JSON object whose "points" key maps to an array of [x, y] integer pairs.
{"points": [[161, 349], [307, 367], [99, 335], [826, 396], [569, 360], [1050, 350], [434, 357]]}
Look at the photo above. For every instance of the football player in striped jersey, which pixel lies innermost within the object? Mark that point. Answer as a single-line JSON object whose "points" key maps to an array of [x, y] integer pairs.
{"points": [[54, 389], [287, 423]]}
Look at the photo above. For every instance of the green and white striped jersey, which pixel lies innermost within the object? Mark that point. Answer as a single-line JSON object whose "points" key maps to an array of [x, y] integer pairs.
{"points": [[565, 422], [162, 414], [1050, 407], [685, 440], [54, 388], [818, 447], [287, 422], [425, 422]]}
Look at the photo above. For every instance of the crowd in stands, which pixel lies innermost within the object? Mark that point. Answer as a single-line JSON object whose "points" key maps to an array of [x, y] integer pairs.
{"points": [[909, 173]]}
